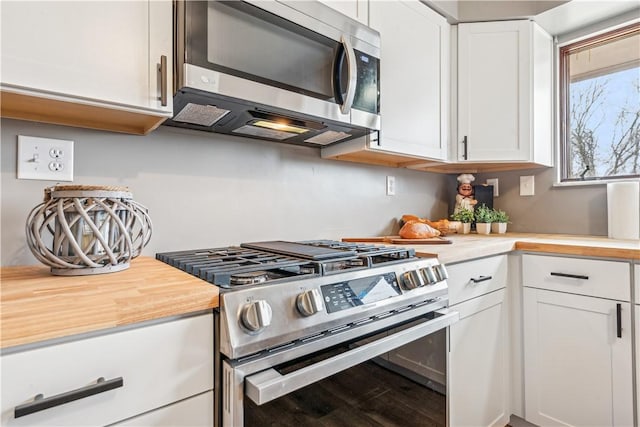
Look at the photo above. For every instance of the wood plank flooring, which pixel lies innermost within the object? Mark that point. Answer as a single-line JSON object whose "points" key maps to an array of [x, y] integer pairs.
{"points": [[365, 395]]}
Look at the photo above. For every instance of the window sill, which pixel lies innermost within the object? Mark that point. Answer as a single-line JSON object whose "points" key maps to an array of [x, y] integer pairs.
{"points": [[591, 182]]}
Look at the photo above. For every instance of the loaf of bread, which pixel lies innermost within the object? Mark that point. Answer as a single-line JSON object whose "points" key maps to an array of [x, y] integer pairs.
{"points": [[418, 230], [441, 225]]}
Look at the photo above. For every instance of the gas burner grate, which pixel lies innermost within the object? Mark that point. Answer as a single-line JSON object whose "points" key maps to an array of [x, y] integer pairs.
{"points": [[229, 267]]}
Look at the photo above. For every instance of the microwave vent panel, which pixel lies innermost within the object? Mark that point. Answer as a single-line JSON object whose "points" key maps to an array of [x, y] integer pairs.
{"points": [[204, 115]]}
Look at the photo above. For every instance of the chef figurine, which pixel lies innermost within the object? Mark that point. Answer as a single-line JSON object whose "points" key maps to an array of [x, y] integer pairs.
{"points": [[464, 198]]}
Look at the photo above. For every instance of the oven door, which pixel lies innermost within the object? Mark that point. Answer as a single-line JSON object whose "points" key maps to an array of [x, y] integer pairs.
{"points": [[340, 385]]}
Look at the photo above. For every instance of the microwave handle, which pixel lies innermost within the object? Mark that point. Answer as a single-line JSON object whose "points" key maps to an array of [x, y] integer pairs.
{"points": [[352, 76]]}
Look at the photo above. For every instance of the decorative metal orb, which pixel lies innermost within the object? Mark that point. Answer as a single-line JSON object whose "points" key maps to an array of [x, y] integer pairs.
{"points": [[80, 229]]}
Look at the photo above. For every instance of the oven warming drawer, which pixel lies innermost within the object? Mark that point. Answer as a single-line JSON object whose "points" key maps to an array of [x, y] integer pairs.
{"points": [[268, 385]]}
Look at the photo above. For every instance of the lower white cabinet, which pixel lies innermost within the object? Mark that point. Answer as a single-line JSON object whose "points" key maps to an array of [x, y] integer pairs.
{"points": [[143, 368], [637, 316], [196, 411], [478, 374], [577, 348]]}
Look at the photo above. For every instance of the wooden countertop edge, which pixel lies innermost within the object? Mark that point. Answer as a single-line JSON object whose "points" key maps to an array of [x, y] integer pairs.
{"points": [[564, 249]]}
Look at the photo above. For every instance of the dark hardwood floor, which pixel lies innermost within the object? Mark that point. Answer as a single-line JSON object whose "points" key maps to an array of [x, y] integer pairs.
{"points": [[365, 395]]}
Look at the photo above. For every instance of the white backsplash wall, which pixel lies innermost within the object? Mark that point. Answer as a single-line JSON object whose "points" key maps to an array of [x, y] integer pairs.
{"points": [[207, 190]]}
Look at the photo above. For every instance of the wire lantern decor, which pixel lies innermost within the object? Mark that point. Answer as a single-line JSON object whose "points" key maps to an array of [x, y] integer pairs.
{"points": [[82, 230]]}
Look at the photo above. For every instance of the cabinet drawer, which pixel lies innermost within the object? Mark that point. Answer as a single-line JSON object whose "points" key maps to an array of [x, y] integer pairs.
{"points": [[598, 278], [474, 278], [196, 411], [159, 364]]}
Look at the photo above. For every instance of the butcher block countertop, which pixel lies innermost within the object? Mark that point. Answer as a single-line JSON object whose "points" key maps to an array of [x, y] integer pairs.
{"points": [[471, 246], [38, 306]]}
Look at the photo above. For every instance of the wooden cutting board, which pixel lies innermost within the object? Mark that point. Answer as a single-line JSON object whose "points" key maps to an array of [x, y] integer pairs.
{"points": [[397, 240]]}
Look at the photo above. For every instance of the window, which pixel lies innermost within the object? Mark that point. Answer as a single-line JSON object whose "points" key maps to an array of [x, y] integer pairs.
{"points": [[600, 106]]}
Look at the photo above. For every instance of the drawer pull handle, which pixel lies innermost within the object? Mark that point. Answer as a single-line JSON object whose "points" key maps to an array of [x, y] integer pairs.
{"points": [[571, 276], [41, 403], [619, 320], [481, 279]]}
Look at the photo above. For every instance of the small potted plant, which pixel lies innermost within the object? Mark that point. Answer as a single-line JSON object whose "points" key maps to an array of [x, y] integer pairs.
{"points": [[484, 218], [500, 220], [465, 217]]}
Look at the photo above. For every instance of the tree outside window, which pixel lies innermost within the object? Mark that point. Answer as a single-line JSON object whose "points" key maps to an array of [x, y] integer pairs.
{"points": [[600, 106]]}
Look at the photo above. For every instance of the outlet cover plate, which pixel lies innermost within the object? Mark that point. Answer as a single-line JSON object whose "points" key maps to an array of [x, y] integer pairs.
{"points": [[45, 158], [527, 186]]}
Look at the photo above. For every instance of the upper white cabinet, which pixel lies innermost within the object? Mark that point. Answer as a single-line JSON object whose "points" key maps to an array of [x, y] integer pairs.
{"points": [[505, 110], [355, 9], [90, 64], [414, 87]]}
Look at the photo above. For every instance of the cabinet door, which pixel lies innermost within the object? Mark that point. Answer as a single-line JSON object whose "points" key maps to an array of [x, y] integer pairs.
{"points": [[493, 90], [637, 315], [89, 50], [196, 411], [479, 363], [414, 78], [578, 371], [356, 9]]}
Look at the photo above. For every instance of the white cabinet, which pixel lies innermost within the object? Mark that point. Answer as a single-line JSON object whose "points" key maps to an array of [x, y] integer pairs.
{"points": [[149, 367], [478, 373], [91, 64], [196, 411], [577, 348], [505, 78], [355, 9], [479, 361], [637, 317], [414, 87]]}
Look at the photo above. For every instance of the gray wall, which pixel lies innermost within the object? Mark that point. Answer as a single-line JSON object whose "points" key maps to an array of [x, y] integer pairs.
{"points": [[568, 210], [205, 190]]}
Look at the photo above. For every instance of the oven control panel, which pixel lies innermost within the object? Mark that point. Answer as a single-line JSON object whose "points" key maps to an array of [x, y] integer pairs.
{"points": [[361, 291]]}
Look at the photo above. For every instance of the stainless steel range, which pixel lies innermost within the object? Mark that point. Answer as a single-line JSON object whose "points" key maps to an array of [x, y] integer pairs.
{"points": [[319, 307]]}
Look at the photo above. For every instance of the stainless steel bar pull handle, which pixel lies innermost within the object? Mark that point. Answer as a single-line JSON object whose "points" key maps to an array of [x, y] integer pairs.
{"points": [[162, 69], [571, 276], [352, 78], [41, 403], [268, 385], [619, 320]]}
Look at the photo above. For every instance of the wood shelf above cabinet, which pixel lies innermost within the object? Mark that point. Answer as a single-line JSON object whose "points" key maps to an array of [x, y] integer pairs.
{"points": [[71, 112]]}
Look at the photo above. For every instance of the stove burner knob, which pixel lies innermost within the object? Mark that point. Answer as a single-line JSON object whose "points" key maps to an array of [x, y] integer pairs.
{"points": [[441, 272], [309, 302], [256, 315], [429, 275], [412, 279]]}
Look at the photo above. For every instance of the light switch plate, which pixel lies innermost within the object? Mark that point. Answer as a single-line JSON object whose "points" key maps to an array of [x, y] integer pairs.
{"points": [[527, 185], [494, 183], [45, 158]]}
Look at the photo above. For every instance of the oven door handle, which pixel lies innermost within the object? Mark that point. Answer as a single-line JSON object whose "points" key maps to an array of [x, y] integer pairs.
{"points": [[268, 385]]}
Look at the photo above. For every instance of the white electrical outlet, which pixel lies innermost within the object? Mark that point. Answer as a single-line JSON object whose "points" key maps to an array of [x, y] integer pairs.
{"points": [[494, 182], [45, 158], [527, 186], [391, 185]]}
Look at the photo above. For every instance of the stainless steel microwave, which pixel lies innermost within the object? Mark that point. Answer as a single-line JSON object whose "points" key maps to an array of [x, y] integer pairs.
{"points": [[289, 71]]}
